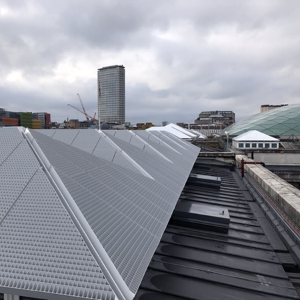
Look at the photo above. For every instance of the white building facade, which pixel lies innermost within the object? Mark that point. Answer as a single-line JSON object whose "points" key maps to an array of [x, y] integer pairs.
{"points": [[254, 139]]}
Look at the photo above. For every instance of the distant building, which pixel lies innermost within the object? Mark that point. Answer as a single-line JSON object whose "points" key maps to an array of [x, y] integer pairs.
{"points": [[254, 139], [9, 118], [36, 124], [265, 107], [44, 117], [10, 121], [26, 119], [220, 119], [111, 94], [143, 126]]}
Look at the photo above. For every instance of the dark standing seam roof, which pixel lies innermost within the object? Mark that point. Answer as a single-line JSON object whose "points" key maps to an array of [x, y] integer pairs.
{"points": [[191, 263]]}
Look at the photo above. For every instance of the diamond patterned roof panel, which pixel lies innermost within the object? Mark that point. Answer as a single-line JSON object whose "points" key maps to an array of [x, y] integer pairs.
{"points": [[44, 241], [280, 121], [126, 210], [86, 140], [91, 141], [100, 219], [65, 136], [42, 250], [47, 132]]}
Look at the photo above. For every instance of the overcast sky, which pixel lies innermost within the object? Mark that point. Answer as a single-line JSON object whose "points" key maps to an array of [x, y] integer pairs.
{"points": [[180, 57]]}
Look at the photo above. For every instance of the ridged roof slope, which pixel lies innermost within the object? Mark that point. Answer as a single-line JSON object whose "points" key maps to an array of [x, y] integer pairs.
{"points": [[176, 130], [117, 214], [42, 251], [93, 142]]}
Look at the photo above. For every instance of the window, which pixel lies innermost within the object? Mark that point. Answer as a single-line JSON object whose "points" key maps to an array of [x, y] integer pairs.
{"points": [[274, 145], [260, 145], [253, 145], [241, 145], [247, 145], [267, 145]]}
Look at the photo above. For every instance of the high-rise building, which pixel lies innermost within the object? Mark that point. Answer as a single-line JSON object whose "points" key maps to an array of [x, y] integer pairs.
{"points": [[111, 94]]}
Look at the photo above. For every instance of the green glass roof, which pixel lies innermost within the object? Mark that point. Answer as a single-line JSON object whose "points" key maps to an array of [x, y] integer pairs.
{"points": [[282, 121]]}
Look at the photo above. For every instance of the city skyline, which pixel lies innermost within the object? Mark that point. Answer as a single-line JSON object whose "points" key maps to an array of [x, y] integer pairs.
{"points": [[180, 59]]}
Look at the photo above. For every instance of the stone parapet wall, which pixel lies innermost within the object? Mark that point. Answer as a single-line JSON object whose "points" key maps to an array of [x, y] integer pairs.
{"points": [[286, 196]]}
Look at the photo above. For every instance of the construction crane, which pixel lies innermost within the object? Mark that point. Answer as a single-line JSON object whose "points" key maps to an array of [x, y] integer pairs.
{"points": [[83, 110]]}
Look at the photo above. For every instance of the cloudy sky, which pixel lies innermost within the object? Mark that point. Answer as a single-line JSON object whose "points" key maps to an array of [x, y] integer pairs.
{"points": [[181, 56]]}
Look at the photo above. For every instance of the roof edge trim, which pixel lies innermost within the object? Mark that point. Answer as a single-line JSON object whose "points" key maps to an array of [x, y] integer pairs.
{"points": [[132, 161], [107, 267]]}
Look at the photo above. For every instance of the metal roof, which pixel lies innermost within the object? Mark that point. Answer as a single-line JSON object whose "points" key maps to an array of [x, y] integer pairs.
{"points": [[248, 262], [175, 130], [254, 135], [75, 224]]}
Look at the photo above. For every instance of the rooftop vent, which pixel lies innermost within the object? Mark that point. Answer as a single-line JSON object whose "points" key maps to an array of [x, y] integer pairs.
{"points": [[201, 216], [204, 180]]}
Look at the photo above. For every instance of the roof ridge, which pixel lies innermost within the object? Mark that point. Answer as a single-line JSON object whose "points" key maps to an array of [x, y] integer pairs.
{"points": [[100, 255]]}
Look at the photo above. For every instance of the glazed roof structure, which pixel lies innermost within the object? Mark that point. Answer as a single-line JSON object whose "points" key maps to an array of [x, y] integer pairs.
{"points": [[282, 121], [78, 222]]}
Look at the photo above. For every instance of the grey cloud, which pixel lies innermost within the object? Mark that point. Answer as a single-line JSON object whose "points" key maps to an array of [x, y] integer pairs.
{"points": [[230, 54]]}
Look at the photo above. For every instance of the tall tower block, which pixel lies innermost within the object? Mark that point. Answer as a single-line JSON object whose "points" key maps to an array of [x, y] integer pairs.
{"points": [[111, 94]]}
